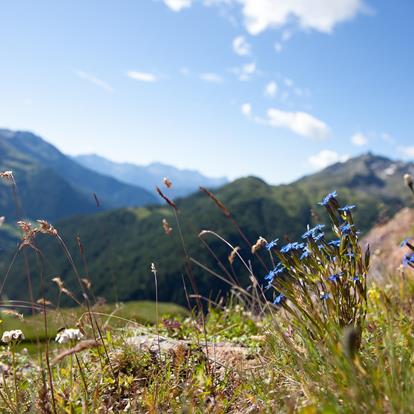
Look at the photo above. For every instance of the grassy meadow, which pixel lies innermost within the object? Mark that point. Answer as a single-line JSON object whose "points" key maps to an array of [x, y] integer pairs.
{"points": [[313, 335]]}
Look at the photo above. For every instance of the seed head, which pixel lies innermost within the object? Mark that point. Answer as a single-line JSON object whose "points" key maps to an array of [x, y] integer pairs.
{"points": [[233, 254], [47, 228], [166, 227], [7, 175], [409, 182], [167, 182], [260, 243]]}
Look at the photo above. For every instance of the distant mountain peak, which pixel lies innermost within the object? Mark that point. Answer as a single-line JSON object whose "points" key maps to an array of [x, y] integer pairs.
{"points": [[185, 181]]}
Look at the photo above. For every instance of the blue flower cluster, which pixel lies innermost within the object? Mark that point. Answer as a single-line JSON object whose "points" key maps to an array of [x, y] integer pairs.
{"points": [[314, 232], [408, 260], [272, 244], [328, 199], [292, 247]]}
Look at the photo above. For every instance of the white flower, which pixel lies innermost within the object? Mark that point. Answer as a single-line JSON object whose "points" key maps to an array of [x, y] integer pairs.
{"points": [[14, 335], [68, 335]]}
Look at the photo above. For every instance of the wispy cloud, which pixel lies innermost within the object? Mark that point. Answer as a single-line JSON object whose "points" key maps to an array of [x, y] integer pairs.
{"points": [[300, 123], [241, 46], [142, 76], [271, 89], [245, 72], [211, 77], [325, 158], [93, 79], [359, 139], [177, 5]]}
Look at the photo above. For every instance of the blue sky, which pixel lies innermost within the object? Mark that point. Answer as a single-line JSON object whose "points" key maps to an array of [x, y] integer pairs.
{"points": [[273, 88]]}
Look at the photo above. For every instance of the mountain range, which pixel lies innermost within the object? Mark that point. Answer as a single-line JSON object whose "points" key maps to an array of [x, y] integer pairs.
{"points": [[53, 186], [184, 182], [121, 244]]}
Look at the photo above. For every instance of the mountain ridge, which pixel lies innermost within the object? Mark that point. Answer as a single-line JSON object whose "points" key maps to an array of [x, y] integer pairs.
{"points": [[185, 181]]}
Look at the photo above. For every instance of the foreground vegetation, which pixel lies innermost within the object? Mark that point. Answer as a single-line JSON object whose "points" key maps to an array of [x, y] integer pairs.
{"points": [[316, 337]]}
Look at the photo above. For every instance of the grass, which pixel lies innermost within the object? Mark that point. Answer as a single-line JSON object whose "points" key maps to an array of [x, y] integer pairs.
{"points": [[318, 339]]}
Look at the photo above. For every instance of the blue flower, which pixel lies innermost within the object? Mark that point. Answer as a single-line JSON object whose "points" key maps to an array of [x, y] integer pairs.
{"points": [[270, 276], [350, 255], [406, 242], [328, 198], [306, 253], [325, 296], [318, 237], [335, 277], [408, 260], [335, 243], [279, 299], [270, 245], [346, 228], [313, 231], [347, 208], [356, 279], [276, 271], [292, 246]]}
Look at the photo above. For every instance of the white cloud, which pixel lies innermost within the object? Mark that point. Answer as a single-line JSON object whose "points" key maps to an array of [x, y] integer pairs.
{"points": [[211, 77], [288, 82], [271, 89], [326, 157], [142, 76], [260, 15], [246, 109], [178, 5], [359, 139], [93, 79], [300, 123], [320, 15], [241, 46], [407, 152], [246, 71]]}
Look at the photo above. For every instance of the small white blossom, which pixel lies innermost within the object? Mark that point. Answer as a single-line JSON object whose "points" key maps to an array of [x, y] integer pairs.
{"points": [[14, 335], [68, 335]]}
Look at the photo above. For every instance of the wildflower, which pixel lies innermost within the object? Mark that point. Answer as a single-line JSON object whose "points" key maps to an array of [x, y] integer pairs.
{"points": [[69, 335], [408, 260], [335, 277], [347, 208], [292, 246], [346, 228], [166, 227], [12, 336], [167, 182], [356, 279], [335, 243], [260, 243], [279, 269], [328, 199], [306, 253], [325, 296], [318, 237], [272, 244], [279, 299], [313, 231], [407, 243]]}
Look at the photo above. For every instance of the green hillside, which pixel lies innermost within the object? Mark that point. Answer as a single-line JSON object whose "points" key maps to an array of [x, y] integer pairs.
{"points": [[52, 185], [121, 244]]}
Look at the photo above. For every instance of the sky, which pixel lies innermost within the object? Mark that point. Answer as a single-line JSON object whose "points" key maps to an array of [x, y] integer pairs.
{"points": [[272, 88]]}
